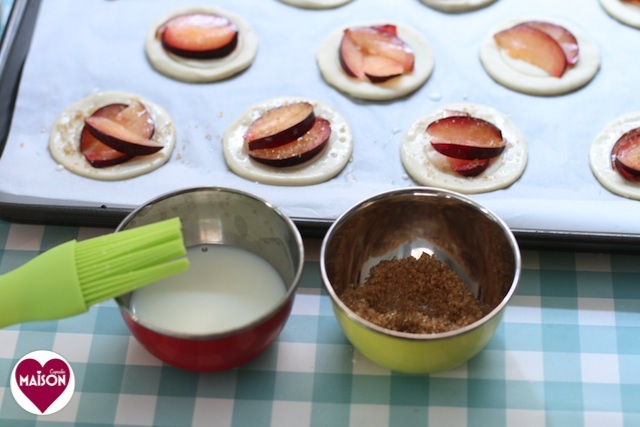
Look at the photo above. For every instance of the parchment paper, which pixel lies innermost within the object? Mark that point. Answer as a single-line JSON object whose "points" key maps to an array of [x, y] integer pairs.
{"points": [[80, 47]]}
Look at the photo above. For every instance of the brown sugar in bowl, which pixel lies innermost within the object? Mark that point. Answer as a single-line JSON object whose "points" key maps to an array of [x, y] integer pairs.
{"points": [[476, 244]]}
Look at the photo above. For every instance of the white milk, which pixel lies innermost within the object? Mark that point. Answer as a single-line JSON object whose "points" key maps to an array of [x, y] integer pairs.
{"points": [[225, 287]]}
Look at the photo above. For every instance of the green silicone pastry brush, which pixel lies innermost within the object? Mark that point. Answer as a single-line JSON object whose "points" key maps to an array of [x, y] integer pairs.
{"points": [[68, 279]]}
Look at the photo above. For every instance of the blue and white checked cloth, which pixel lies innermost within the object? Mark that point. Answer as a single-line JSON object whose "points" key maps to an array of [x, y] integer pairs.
{"points": [[566, 354]]}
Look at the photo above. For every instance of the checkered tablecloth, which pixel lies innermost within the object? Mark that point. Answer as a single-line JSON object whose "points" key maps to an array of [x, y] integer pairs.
{"points": [[566, 354]]}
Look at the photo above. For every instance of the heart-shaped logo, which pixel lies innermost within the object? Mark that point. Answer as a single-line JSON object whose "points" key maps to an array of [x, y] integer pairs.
{"points": [[42, 384], [41, 379]]}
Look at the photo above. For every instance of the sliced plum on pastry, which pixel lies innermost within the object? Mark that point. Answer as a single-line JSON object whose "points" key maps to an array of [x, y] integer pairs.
{"points": [[466, 137], [98, 154], [280, 125], [625, 155], [467, 144], [300, 150], [133, 117], [128, 132], [198, 35], [535, 46], [375, 53], [563, 37]]}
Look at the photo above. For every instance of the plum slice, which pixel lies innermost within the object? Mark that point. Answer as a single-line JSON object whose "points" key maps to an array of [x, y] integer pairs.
{"points": [[120, 136], [564, 37], [98, 154], [466, 137], [534, 46], [468, 167], [351, 58], [625, 155], [137, 119], [389, 28], [198, 36], [280, 125], [302, 149], [379, 68], [134, 116], [375, 53]]}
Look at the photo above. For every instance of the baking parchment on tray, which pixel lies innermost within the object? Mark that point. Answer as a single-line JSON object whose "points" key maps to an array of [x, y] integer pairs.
{"points": [[81, 47]]}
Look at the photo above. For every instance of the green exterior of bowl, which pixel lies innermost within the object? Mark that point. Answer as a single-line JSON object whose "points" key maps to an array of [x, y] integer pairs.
{"points": [[420, 355]]}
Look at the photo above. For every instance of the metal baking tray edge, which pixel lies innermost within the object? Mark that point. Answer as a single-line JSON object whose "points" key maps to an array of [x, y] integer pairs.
{"points": [[14, 47], [25, 210]]}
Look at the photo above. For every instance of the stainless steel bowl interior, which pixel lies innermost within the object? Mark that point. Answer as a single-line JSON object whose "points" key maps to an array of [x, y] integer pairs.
{"points": [[406, 222]]}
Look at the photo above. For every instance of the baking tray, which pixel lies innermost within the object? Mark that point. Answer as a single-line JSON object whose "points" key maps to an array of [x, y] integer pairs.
{"points": [[545, 234]]}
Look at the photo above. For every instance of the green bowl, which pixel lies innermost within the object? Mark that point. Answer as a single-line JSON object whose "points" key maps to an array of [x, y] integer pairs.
{"points": [[456, 230]]}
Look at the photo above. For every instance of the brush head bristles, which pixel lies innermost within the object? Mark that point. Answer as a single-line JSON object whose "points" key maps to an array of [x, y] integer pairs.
{"points": [[114, 264]]}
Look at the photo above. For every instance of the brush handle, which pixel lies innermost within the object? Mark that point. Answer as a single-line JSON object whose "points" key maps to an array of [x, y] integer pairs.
{"points": [[45, 288]]}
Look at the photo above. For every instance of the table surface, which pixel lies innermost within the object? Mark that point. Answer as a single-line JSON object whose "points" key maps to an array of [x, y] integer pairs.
{"points": [[567, 353]]}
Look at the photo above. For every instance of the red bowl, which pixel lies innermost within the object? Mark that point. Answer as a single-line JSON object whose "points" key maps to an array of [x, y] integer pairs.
{"points": [[211, 216], [213, 353]]}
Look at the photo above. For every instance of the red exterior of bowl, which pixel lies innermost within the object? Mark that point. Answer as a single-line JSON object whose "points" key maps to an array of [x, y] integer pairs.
{"points": [[211, 354]]}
